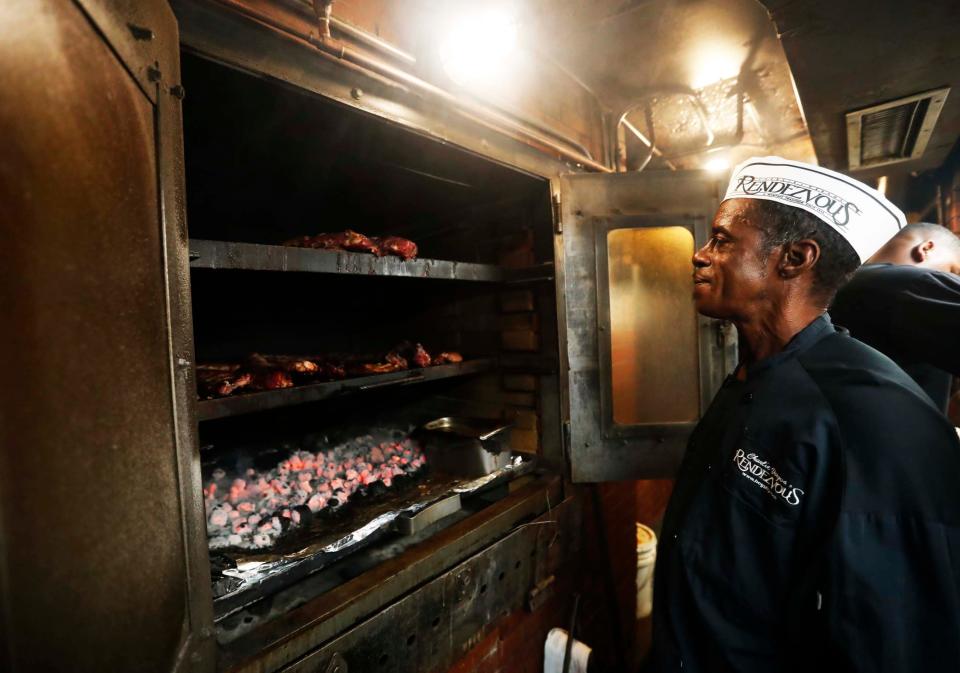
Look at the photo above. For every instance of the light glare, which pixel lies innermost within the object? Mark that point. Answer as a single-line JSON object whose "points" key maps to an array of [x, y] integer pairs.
{"points": [[714, 63], [478, 46], [717, 164]]}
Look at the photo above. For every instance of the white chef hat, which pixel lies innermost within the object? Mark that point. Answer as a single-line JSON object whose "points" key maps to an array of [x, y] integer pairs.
{"points": [[862, 215]]}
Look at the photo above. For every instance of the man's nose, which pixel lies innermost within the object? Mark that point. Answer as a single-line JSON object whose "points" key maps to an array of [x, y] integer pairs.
{"points": [[701, 257]]}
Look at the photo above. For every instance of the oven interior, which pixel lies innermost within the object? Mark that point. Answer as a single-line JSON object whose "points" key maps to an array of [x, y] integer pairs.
{"points": [[266, 162]]}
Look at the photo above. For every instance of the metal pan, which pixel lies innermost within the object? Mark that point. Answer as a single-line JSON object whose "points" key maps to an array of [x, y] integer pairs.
{"points": [[466, 447]]}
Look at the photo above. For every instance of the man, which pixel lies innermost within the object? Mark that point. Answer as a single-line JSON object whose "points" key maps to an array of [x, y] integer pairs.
{"points": [[905, 302], [815, 521]]}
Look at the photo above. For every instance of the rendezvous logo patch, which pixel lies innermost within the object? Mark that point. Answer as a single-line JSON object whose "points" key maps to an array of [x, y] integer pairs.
{"points": [[759, 472]]}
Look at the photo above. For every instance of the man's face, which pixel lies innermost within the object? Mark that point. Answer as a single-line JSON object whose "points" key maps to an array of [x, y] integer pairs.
{"points": [[731, 278]]}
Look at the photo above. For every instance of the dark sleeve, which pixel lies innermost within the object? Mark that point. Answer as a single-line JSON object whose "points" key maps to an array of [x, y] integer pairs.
{"points": [[892, 595], [926, 319], [892, 599]]}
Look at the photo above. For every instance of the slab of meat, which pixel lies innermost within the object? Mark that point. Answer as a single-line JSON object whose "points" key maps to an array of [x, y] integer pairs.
{"points": [[356, 242], [297, 367], [272, 372], [399, 247], [253, 509], [219, 380], [257, 373], [370, 368], [397, 360], [328, 367], [242, 380], [344, 240], [267, 375], [301, 366], [271, 379], [393, 361], [447, 357], [414, 353]]}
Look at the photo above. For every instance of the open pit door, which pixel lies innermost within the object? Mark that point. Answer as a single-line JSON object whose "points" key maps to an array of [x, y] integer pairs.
{"points": [[103, 561], [640, 366]]}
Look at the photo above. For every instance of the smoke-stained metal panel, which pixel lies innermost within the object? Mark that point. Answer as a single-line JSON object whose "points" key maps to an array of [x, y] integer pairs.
{"points": [[590, 206], [434, 626], [217, 33], [288, 627], [101, 559], [888, 51]]}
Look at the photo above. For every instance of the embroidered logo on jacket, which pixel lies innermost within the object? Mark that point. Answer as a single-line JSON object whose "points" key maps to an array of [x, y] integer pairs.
{"points": [[764, 475]]}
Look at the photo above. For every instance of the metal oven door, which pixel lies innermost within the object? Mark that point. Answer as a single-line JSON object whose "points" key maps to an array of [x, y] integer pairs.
{"points": [[639, 364], [103, 560]]}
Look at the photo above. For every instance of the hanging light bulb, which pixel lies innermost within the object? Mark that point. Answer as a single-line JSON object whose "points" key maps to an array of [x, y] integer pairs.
{"points": [[717, 164], [478, 46]]}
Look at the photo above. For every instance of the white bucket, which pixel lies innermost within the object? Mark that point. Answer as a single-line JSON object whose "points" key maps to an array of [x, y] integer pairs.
{"points": [[646, 557], [555, 649]]}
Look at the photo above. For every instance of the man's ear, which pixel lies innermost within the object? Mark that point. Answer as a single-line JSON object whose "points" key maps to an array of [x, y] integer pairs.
{"points": [[798, 258], [921, 251]]}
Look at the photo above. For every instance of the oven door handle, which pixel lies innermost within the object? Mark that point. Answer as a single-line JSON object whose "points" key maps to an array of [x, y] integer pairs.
{"points": [[413, 378]]}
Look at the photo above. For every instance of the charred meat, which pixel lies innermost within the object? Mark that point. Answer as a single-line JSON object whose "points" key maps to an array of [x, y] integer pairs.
{"points": [[220, 380], [414, 353], [396, 246], [357, 242], [273, 372]]}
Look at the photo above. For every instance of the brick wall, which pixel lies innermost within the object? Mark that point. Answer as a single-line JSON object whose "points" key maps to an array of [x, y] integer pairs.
{"points": [[514, 644]]}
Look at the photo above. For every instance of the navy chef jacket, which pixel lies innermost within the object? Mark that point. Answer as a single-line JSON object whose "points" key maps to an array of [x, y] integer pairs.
{"points": [[814, 522], [911, 315]]}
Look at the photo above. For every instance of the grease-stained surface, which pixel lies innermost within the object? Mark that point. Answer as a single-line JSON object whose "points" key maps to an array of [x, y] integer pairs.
{"points": [[88, 474]]}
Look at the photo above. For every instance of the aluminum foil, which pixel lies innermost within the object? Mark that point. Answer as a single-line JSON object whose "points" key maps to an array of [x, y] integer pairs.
{"points": [[337, 538]]}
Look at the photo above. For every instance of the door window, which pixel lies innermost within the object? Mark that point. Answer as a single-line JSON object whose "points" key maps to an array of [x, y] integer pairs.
{"points": [[653, 326]]}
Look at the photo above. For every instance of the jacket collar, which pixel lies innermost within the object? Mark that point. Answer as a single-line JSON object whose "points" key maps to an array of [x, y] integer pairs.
{"points": [[801, 341]]}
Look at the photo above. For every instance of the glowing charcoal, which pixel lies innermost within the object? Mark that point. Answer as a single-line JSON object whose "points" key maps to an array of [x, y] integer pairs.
{"points": [[254, 509]]}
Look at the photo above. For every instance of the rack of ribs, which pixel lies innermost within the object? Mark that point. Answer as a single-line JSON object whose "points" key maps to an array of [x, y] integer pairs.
{"points": [[396, 246], [357, 242], [413, 352], [273, 372]]}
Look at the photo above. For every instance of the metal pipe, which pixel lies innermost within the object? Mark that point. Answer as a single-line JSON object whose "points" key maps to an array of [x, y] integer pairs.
{"points": [[372, 41], [483, 114], [648, 117], [478, 110], [324, 10], [633, 129], [355, 33], [702, 113]]}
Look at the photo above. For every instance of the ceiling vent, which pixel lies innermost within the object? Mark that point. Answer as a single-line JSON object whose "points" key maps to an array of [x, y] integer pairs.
{"points": [[895, 131]]}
